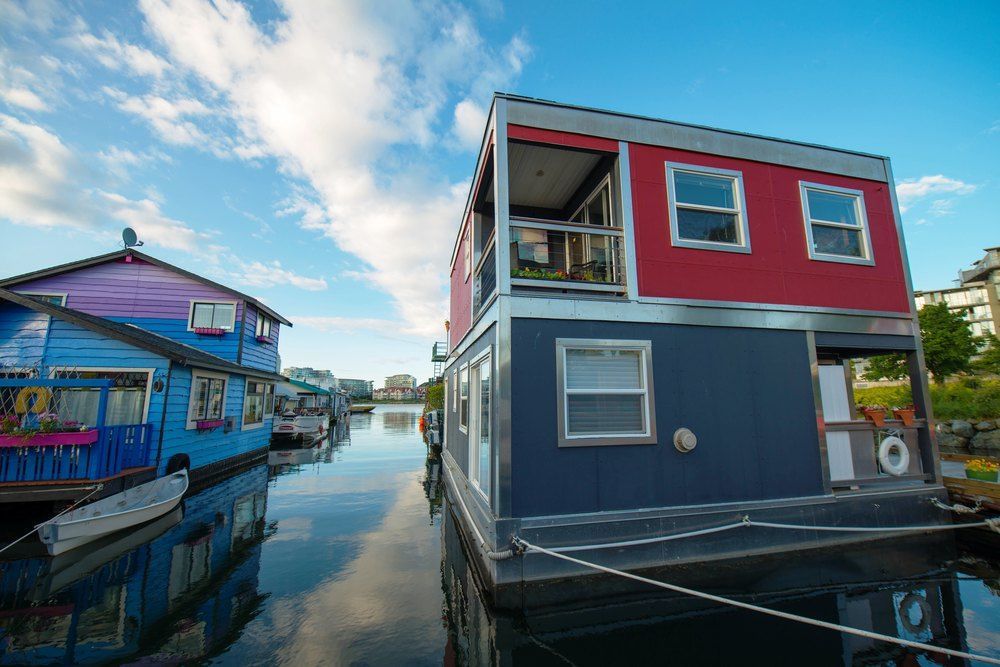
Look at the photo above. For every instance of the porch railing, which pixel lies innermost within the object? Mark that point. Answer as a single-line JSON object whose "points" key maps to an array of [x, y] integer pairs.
{"points": [[486, 277], [566, 255]]}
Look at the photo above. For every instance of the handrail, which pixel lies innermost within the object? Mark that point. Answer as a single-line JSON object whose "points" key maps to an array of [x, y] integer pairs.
{"points": [[486, 252], [560, 225]]}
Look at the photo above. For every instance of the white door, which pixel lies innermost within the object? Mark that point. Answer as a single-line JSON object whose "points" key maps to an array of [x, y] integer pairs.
{"points": [[836, 408]]}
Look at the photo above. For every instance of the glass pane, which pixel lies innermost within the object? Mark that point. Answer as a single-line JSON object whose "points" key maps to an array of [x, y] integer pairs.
{"points": [[201, 398], [538, 253], [223, 318], [484, 428], [837, 241], [704, 190], [706, 226], [608, 414], [215, 392], [598, 210], [603, 369], [577, 251], [202, 315], [602, 259], [832, 207]]}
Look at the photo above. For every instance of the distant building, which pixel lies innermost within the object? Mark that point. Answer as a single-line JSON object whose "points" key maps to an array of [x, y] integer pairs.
{"points": [[395, 394], [355, 388], [319, 378], [977, 296], [401, 380]]}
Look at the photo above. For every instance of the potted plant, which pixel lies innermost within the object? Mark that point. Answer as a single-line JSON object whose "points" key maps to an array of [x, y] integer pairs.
{"points": [[44, 431], [874, 414], [906, 414], [982, 469]]}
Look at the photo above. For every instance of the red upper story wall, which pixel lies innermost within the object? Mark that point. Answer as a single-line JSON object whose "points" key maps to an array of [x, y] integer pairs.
{"points": [[778, 270], [460, 315]]}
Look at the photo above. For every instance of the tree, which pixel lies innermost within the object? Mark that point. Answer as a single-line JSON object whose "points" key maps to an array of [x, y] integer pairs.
{"points": [[948, 342], [989, 360], [887, 367]]}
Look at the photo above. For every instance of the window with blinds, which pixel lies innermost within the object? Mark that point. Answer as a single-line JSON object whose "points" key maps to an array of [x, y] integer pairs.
{"points": [[605, 392]]}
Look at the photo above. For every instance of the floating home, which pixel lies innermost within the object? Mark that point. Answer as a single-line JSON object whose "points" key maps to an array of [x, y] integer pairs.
{"points": [[157, 368], [652, 331]]}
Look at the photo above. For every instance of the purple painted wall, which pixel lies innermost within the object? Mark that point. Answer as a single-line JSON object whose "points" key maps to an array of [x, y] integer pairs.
{"points": [[146, 295]]}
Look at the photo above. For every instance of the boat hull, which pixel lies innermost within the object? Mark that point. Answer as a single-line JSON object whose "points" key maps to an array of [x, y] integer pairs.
{"points": [[109, 515]]}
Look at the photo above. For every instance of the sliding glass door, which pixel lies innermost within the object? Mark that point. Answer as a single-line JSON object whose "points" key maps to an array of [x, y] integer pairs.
{"points": [[480, 454]]}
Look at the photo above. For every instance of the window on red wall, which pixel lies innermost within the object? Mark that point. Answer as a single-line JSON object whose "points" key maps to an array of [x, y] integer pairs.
{"points": [[707, 208], [836, 224]]}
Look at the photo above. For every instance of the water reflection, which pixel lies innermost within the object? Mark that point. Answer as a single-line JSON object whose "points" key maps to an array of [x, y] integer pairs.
{"points": [[348, 554]]}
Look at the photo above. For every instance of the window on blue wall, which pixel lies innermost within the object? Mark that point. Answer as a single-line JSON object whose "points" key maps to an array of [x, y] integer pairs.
{"points": [[707, 209], [263, 325], [126, 396], [210, 315], [463, 399], [207, 398], [480, 453], [253, 404], [605, 392]]}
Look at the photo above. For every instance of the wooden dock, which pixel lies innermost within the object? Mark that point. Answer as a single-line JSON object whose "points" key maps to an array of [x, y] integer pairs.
{"points": [[968, 491]]}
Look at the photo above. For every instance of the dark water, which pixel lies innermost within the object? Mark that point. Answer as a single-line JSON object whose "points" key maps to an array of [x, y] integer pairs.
{"points": [[344, 555]]}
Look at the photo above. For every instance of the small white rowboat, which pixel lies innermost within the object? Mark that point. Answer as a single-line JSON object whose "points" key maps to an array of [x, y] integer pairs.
{"points": [[123, 510]]}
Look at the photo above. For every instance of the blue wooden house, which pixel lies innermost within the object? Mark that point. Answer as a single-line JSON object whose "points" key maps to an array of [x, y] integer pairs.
{"points": [[123, 367]]}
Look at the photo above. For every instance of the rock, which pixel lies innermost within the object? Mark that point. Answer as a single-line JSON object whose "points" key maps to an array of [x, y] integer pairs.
{"points": [[985, 426], [962, 429], [952, 444], [944, 427], [998, 422], [988, 441]]}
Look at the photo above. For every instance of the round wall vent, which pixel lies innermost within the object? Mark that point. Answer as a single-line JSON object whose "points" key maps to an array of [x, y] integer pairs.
{"points": [[685, 440]]}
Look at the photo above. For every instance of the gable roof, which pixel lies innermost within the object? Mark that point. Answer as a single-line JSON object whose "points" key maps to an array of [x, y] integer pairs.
{"points": [[119, 254], [309, 387], [137, 337]]}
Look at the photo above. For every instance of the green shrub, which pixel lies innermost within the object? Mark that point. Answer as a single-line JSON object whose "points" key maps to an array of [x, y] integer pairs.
{"points": [[435, 397], [956, 400]]}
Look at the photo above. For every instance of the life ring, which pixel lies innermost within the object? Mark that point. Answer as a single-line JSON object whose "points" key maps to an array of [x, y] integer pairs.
{"points": [[42, 396], [904, 613], [885, 451]]}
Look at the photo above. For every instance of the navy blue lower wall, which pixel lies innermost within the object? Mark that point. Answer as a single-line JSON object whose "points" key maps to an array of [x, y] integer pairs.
{"points": [[746, 393]]}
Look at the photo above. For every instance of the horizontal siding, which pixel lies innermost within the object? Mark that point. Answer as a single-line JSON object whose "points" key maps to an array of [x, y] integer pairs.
{"points": [[205, 447], [22, 336], [259, 355], [224, 346]]}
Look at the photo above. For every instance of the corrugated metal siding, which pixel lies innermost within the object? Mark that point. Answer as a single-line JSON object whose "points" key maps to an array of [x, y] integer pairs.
{"points": [[22, 336], [259, 355], [205, 447], [144, 294], [746, 393]]}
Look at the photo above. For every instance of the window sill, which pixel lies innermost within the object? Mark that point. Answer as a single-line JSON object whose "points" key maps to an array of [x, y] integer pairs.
{"points": [[837, 259], [709, 245], [209, 331], [614, 441]]}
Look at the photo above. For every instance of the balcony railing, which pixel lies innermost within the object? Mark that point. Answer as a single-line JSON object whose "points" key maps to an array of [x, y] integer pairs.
{"points": [[486, 277], [566, 255]]}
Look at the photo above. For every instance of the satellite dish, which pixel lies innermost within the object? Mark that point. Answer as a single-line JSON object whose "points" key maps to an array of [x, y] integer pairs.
{"points": [[130, 238]]}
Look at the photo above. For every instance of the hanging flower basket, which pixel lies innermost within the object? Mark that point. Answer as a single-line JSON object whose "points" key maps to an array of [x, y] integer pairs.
{"points": [[209, 331], [205, 424], [87, 437]]}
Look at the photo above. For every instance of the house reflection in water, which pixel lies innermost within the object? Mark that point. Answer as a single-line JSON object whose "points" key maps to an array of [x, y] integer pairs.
{"points": [[912, 594], [179, 589]]}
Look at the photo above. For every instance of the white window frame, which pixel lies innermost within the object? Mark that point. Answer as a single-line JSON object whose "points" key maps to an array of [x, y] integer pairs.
{"points": [[860, 211], [463, 370], [467, 256], [244, 426], [742, 224], [645, 347], [61, 295], [264, 325], [191, 423], [114, 369], [484, 358], [454, 391], [234, 304]]}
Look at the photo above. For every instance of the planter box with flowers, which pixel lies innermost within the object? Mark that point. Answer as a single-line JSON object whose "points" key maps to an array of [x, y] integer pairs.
{"points": [[982, 469], [206, 424], [49, 432], [209, 331], [265, 340]]}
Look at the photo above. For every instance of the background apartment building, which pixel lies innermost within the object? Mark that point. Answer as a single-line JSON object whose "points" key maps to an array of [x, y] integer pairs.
{"points": [[356, 388], [977, 296], [401, 380]]}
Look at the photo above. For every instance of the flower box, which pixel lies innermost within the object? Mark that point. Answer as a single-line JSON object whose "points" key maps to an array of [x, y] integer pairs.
{"points": [[266, 340], [88, 437], [209, 331], [983, 475], [205, 424], [877, 417], [905, 414]]}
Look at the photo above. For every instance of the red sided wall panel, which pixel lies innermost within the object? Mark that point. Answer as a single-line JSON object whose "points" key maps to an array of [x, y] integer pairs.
{"points": [[460, 314], [778, 270]]}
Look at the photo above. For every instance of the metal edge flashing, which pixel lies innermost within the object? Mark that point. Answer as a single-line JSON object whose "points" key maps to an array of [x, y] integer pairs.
{"points": [[749, 305], [538, 307], [624, 168], [504, 360], [699, 138], [482, 326]]}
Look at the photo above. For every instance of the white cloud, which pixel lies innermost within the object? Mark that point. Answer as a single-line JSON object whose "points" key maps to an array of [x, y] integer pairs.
{"points": [[116, 55], [332, 91], [994, 128], [20, 87], [122, 161], [345, 324], [910, 190], [170, 119], [40, 186], [259, 274], [470, 121], [942, 207]]}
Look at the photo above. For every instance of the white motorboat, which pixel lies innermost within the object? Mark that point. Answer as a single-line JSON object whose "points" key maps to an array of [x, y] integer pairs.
{"points": [[300, 427], [123, 510]]}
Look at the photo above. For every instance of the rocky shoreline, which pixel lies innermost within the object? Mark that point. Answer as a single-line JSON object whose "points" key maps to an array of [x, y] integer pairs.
{"points": [[981, 437]]}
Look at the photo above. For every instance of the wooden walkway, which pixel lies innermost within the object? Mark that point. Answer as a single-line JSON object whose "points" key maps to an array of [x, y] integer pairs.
{"points": [[968, 491]]}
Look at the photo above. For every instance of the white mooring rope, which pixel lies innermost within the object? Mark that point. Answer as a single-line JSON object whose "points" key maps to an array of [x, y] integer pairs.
{"points": [[529, 548], [38, 525]]}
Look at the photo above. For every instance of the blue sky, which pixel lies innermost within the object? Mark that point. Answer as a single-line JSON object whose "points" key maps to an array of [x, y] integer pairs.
{"points": [[317, 154]]}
